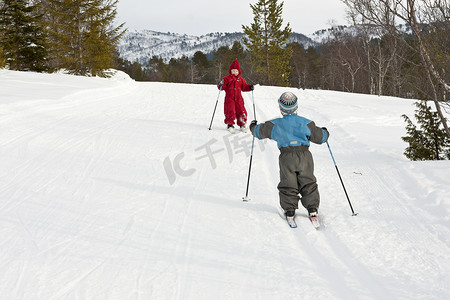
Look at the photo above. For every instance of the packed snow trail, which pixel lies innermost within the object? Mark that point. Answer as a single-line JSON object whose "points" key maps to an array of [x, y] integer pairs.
{"points": [[113, 189]]}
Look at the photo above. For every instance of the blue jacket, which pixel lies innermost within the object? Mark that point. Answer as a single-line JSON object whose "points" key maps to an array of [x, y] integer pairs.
{"points": [[290, 131]]}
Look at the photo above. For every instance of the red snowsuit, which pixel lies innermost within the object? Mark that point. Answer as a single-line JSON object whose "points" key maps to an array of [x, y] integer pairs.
{"points": [[234, 103]]}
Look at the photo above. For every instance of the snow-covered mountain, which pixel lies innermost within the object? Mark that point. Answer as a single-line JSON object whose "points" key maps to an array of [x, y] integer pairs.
{"points": [[142, 45], [324, 35], [116, 189]]}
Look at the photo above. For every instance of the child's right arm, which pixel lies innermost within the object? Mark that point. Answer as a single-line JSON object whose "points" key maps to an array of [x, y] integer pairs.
{"points": [[222, 85], [263, 130]]}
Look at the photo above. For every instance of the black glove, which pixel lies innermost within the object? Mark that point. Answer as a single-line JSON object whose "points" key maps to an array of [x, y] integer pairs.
{"points": [[252, 87], [253, 124], [326, 130]]}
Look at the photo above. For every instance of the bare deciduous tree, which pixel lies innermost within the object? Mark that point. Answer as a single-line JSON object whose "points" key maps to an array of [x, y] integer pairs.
{"points": [[435, 14]]}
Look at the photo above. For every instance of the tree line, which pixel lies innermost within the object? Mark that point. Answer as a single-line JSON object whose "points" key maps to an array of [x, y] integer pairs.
{"points": [[348, 62]]}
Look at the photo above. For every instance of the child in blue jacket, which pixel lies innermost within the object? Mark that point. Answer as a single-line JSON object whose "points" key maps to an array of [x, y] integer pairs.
{"points": [[293, 135]]}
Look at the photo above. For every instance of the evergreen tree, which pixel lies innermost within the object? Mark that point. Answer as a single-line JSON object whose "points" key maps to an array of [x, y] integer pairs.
{"points": [[2, 38], [298, 66], [83, 38], [200, 68], [136, 71], [266, 42], [224, 56], [237, 52], [157, 69], [2, 57], [178, 70], [305, 66], [221, 56], [313, 68], [22, 39], [430, 142]]}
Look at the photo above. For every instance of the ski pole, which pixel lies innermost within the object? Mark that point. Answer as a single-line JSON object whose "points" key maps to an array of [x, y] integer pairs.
{"points": [[247, 198], [348, 199], [254, 110], [215, 108]]}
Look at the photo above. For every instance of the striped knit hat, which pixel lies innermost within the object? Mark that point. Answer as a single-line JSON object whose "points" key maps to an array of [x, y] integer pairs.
{"points": [[288, 103]]}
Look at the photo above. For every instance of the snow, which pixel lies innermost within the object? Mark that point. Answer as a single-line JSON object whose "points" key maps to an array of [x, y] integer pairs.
{"points": [[115, 189], [142, 45]]}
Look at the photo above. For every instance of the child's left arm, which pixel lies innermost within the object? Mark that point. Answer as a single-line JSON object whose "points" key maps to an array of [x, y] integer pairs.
{"points": [[246, 87], [318, 135]]}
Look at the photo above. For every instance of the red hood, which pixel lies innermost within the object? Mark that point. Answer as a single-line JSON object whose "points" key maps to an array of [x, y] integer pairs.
{"points": [[235, 65]]}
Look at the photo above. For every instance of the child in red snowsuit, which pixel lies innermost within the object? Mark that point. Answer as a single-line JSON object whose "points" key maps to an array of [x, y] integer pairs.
{"points": [[234, 108]]}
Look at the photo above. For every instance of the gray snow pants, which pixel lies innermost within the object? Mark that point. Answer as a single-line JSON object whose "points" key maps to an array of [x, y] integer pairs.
{"points": [[297, 177]]}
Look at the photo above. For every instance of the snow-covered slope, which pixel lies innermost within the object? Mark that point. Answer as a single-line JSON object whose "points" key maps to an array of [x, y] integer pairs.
{"points": [[325, 35], [141, 45], [113, 189]]}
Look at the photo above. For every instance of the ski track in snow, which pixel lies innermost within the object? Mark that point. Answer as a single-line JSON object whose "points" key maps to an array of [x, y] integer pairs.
{"points": [[344, 283], [108, 191]]}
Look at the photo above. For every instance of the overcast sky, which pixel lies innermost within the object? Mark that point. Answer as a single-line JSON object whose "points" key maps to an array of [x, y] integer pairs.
{"points": [[206, 16]]}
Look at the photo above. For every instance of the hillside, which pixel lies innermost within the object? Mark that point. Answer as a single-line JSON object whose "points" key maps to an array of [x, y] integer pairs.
{"points": [[144, 44], [141, 45], [114, 189]]}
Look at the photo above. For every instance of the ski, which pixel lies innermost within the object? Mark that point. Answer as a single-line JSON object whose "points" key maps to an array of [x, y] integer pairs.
{"points": [[291, 222], [315, 220], [233, 130]]}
